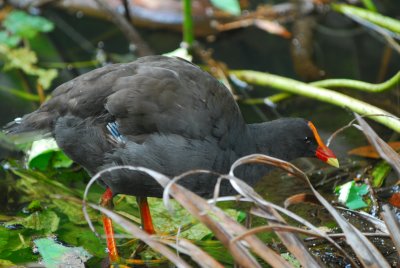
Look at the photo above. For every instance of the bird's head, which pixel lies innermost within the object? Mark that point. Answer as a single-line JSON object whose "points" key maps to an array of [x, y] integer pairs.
{"points": [[291, 138]]}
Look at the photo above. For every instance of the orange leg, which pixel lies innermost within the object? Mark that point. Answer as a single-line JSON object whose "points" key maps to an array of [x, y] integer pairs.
{"points": [[147, 222], [106, 201]]}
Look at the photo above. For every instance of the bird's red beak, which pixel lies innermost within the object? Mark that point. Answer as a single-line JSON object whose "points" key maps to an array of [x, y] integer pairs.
{"points": [[323, 152]]}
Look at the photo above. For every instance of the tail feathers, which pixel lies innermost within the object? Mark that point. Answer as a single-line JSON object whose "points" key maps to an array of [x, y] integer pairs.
{"points": [[33, 126]]}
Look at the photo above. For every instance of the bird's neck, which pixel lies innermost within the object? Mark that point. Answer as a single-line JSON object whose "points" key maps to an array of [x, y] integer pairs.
{"points": [[264, 138]]}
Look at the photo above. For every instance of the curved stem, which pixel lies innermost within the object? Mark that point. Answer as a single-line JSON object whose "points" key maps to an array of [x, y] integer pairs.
{"points": [[322, 94], [363, 86]]}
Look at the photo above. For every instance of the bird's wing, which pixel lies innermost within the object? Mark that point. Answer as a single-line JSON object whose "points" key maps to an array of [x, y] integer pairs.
{"points": [[172, 96], [153, 94]]}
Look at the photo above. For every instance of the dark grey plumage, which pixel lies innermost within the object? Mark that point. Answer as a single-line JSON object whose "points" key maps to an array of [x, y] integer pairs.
{"points": [[173, 117]]}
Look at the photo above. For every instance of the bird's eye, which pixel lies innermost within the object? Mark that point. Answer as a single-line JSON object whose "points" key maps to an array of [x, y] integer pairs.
{"points": [[307, 140]]}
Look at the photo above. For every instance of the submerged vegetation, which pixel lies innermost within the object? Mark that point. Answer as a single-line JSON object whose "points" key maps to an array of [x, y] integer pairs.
{"points": [[336, 217]]}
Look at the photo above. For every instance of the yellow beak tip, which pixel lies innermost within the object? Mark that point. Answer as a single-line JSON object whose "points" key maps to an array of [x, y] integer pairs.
{"points": [[333, 162]]}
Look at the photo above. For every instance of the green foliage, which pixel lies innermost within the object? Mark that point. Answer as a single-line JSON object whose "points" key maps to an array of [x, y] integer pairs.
{"points": [[385, 22], [379, 173], [351, 195], [8, 39], [56, 255], [46, 220], [19, 26], [24, 25], [45, 154], [25, 59], [229, 6]]}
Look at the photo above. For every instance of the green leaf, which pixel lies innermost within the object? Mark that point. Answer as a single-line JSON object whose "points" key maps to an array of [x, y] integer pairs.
{"points": [[46, 76], [351, 195], [25, 25], [379, 173], [79, 235], [19, 58], [229, 6], [57, 255], [291, 259], [73, 211], [388, 23], [9, 40], [25, 59], [45, 220], [45, 153]]}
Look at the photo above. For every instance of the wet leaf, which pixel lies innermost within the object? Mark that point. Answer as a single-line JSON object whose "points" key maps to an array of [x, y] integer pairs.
{"points": [[229, 6], [47, 221], [34, 206], [379, 173], [45, 153], [370, 152], [25, 25], [56, 255], [72, 210], [351, 195], [82, 236]]}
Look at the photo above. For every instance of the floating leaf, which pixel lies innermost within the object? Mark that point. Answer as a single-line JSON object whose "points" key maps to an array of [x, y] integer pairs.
{"points": [[229, 6], [56, 255], [25, 25], [351, 195]]}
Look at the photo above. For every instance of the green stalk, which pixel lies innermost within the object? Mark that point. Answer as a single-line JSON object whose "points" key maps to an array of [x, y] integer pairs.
{"points": [[373, 17], [187, 23], [318, 93], [363, 86]]}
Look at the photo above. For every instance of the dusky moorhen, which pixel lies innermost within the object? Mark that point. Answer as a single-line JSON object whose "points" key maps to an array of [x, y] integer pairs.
{"points": [[165, 114]]}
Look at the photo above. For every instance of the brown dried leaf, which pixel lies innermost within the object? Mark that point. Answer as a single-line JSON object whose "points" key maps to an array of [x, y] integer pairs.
{"points": [[300, 198], [202, 258], [370, 152], [380, 145], [367, 253], [393, 225]]}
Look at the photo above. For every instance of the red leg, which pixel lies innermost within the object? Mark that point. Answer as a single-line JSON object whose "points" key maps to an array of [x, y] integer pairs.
{"points": [[106, 201], [147, 222]]}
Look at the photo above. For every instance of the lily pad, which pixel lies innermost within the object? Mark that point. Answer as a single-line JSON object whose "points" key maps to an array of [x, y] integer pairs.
{"points": [[57, 255], [351, 195]]}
